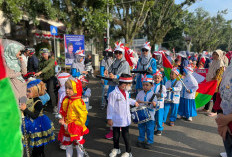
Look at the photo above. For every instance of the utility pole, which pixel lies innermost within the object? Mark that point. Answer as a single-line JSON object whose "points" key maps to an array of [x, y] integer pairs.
{"points": [[108, 25]]}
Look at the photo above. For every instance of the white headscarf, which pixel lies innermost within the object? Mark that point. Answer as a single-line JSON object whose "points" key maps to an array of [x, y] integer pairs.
{"points": [[215, 65]]}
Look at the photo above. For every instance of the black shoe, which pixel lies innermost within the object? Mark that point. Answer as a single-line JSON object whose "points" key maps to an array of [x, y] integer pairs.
{"points": [[147, 146], [140, 144], [158, 133]]}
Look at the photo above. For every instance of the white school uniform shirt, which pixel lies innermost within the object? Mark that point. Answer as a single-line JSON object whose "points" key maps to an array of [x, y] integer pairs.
{"points": [[191, 83], [175, 95], [142, 96], [85, 97], [156, 89], [118, 109]]}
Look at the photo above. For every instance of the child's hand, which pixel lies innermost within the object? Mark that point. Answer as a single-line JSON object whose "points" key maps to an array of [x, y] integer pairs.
{"points": [[106, 73], [61, 121], [136, 104], [110, 122], [154, 104], [188, 91], [112, 76], [23, 106]]}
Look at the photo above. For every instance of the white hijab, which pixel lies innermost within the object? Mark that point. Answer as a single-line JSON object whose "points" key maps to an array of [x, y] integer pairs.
{"points": [[215, 65]]}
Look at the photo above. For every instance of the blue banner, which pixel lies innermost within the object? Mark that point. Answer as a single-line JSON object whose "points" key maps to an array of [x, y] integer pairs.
{"points": [[73, 43]]}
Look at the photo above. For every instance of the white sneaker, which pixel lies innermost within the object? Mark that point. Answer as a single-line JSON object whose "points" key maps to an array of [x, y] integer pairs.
{"points": [[179, 117], [126, 154], [190, 119], [90, 107], [63, 147], [223, 154], [114, 152]]}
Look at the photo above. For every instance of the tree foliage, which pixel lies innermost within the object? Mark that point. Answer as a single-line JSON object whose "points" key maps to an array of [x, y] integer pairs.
{"points": [[207, 32]]}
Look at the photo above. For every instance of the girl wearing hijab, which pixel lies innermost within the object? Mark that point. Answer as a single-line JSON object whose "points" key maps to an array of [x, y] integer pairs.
{"points": [[216, 70], [187, 106], [146, 62], [15, 67], [78, 68]]}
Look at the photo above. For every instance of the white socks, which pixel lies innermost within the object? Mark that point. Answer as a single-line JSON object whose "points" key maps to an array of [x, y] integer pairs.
{"points": [[69, 151]]}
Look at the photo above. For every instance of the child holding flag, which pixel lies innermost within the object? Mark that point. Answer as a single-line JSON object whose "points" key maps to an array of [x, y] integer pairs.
{"points": [[187, 106], [145, 95], [174, 86], [160, 90]]}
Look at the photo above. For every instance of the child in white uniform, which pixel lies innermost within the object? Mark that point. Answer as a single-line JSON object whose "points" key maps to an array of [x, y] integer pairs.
{"points": [[147, 95], [86, 94], [118, 114], [187, 106], [160, 90], [174, 87]]}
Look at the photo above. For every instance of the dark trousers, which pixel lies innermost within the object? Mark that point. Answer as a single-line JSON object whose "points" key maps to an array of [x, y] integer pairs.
{"points": [[125, 135], [208, 104], [38, 151], [51, 85], [228, 145]]}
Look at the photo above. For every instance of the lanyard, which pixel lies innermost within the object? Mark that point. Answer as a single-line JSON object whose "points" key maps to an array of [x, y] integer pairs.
{"points": [[145, 97], [173, 81], [156, 85]]}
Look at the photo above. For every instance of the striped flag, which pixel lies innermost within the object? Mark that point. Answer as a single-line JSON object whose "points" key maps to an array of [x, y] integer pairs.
{"points": [[10, 123], [167, 66], [205, 93]]}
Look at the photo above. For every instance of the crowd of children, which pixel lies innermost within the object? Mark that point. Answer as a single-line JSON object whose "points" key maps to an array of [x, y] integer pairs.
{"points": [[159, 95]]}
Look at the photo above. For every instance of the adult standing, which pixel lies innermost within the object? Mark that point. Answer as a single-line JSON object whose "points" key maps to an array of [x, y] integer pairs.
{"points": [[184, 60], [119, 66], [146, 62], [15, 68], [33, 62], [216, 70], [78, 68], [224, 118], [47, 74]]}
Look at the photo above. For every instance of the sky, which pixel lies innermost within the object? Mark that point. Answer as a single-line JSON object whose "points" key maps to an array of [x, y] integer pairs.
{"points": [[212, 6]]}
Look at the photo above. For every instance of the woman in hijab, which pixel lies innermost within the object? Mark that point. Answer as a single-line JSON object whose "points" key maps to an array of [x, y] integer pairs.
{"points": [[15, 69], [224, 118], [216, 70], [146, 62], [78, 68]]}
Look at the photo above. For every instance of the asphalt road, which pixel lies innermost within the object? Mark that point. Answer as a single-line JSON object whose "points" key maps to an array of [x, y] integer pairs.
{"points": [[198, 138]]}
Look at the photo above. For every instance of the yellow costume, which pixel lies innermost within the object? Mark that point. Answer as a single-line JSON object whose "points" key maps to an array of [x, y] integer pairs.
{"points": [[73, 110]]}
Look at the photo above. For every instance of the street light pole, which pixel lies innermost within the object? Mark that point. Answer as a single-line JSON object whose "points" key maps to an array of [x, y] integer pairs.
{"points": [[108, 25]]}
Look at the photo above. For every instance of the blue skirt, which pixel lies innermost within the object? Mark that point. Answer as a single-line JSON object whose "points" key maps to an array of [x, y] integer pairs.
{"points": [[39, 131], [187, 108]]}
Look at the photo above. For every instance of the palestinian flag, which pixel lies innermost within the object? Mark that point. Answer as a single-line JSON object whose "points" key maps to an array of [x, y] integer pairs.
{"points": [[167, 66], [10, 123], [205, 93]]}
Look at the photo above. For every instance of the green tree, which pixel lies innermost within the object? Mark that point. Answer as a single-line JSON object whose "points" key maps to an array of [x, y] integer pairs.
{"points": [[14, 10], [207, 32], [129, 17], [164, 16]]}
